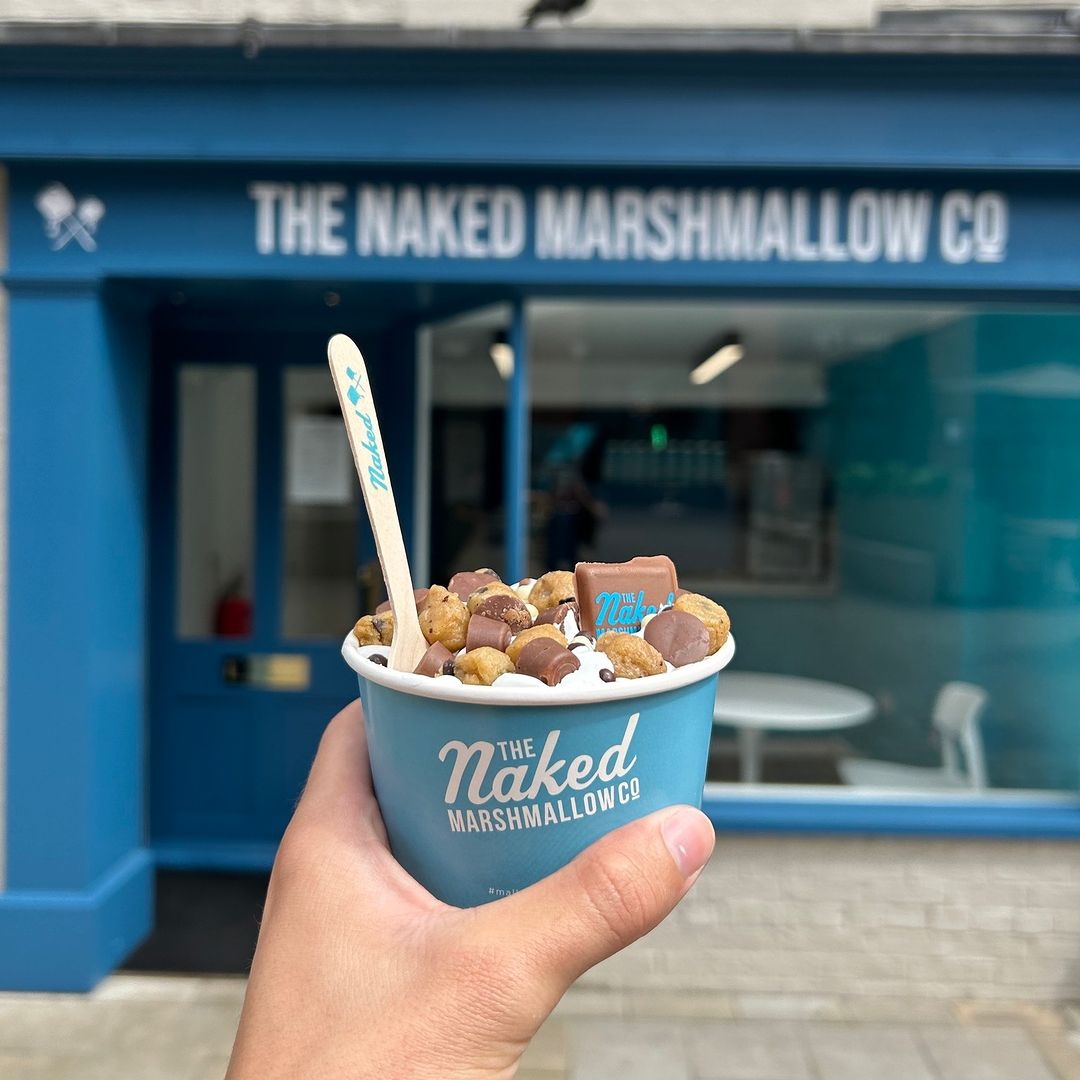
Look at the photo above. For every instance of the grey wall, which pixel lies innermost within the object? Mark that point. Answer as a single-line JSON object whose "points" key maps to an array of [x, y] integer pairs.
{"points": [[420, 14]]}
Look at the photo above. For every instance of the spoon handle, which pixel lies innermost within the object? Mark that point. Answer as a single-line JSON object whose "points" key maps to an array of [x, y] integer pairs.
{"points": [[350, 377]]}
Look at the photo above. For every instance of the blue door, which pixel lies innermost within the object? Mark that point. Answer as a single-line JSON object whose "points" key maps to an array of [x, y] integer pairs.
{"points": [[261, 562]]}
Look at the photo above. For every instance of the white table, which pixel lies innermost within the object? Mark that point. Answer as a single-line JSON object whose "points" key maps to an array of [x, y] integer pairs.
{"points": [[755, 703]]}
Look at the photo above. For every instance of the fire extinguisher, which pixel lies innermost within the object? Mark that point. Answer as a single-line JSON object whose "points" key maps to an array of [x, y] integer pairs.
{"points": [[233, 612]]}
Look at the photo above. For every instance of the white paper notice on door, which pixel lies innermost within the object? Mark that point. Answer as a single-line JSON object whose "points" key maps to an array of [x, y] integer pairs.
{"points": [[319, 464]]}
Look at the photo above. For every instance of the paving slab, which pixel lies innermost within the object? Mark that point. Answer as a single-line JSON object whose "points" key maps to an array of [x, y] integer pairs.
{"points": [[980, 1053], [625, 1050], [748, 1050], [865, 1051]]}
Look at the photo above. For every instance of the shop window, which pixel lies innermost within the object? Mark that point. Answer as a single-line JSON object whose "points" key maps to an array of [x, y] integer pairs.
{"points": [[469, 394], [886, 497], [216, 482], [320, 510]]}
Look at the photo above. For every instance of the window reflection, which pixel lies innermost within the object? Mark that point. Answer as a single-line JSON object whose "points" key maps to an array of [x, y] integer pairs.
{"points": [[321, 511], [216, 516], [467, 438], [885, 497]]}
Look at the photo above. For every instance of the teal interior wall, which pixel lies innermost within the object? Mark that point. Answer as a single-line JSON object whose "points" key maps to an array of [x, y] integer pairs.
{"points": [[955, 458]]}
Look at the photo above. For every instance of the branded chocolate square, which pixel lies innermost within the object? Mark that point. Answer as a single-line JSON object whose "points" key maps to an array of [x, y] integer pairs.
{"points": [[615, 597]]}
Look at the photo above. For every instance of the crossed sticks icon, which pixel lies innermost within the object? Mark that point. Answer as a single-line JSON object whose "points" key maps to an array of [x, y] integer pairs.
{"points": [[66, 219]]}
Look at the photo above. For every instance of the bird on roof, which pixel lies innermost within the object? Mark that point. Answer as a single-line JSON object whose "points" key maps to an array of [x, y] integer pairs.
{"points": [[562, 8]]}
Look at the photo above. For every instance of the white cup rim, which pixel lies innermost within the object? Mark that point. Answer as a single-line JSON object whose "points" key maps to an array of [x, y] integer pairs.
{"points": [[448, 689]]}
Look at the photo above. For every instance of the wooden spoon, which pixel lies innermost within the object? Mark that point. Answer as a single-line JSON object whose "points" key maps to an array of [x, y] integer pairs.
{"points": [[362, 424]]}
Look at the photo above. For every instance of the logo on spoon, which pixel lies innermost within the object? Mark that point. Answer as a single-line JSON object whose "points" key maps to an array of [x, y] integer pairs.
{"points": [[376, 471]]}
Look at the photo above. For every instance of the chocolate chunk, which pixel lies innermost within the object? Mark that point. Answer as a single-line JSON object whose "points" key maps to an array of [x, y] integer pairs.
{"points": [[547, 660], [617, 596], [565, 616], [431, 663], [607, 675], [487, 633], [468, 581], [419, 595], [378, 658], [507, 609], [679, 637]]}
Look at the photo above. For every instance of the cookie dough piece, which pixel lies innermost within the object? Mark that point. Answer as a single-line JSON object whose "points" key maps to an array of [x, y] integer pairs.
{"points": [[491, 588], [534, 632], [444, 618], [375, 629], [481, 667], [679, 637], [631, 656], [553, 588], [710, 613], [507, 609], [466, 582]]}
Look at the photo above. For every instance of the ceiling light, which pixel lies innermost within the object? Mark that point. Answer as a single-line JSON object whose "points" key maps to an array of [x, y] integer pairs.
{"points": [[502, 354], [728, 353]]}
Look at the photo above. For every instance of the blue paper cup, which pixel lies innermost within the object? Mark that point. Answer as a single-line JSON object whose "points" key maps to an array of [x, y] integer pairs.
{"points": [[485, 790]]}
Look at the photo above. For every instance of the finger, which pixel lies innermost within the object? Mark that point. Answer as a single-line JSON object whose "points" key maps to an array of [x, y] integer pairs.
{"points": [[337, 826], [612, 893], [339, 784]]}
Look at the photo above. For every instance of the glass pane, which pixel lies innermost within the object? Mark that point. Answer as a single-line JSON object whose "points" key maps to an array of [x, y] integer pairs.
{"points": [[321, 511], [886, 498], [468, 428], [216, 483]]}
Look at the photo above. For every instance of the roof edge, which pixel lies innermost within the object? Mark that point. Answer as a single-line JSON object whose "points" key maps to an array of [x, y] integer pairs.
{"points": [[251, 38]]}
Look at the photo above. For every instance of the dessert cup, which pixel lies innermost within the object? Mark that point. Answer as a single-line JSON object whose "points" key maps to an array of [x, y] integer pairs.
{"points": [[486, 789]]}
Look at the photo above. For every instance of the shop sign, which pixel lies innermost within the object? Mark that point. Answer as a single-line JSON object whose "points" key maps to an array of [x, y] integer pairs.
{"points": [[660, 224]]}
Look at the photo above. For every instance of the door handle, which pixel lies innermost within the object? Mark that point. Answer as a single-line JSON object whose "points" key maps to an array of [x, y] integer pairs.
{"points": [[268, 671]]}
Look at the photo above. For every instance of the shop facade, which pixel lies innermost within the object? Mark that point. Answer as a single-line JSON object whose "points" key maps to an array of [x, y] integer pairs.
{"points": [[182, 548]]}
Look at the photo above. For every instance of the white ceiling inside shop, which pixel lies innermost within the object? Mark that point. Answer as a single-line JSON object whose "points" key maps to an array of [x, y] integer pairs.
{"points": [[612, 354]]}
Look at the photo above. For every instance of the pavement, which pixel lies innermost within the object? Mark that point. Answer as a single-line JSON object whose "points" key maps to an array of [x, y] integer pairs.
{"points": [[150, 1027]]}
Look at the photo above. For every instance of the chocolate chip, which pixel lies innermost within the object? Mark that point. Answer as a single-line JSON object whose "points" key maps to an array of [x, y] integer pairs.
{"points": [[379, 659], [448, 667], [577, 645], [607, 675]]}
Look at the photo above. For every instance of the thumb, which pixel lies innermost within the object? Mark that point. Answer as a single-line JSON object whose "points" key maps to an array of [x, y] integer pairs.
{"points": [[612, 893]]}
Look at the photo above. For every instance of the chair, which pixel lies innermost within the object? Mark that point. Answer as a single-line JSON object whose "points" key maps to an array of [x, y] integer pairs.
{"points": [[956, 716]]}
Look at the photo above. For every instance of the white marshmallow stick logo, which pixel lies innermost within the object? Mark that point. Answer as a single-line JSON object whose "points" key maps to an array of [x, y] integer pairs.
{"points": [[67, 220]]}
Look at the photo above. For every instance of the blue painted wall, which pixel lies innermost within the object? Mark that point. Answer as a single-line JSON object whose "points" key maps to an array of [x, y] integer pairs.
{"points": [[576, 108], [77, 869]]}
